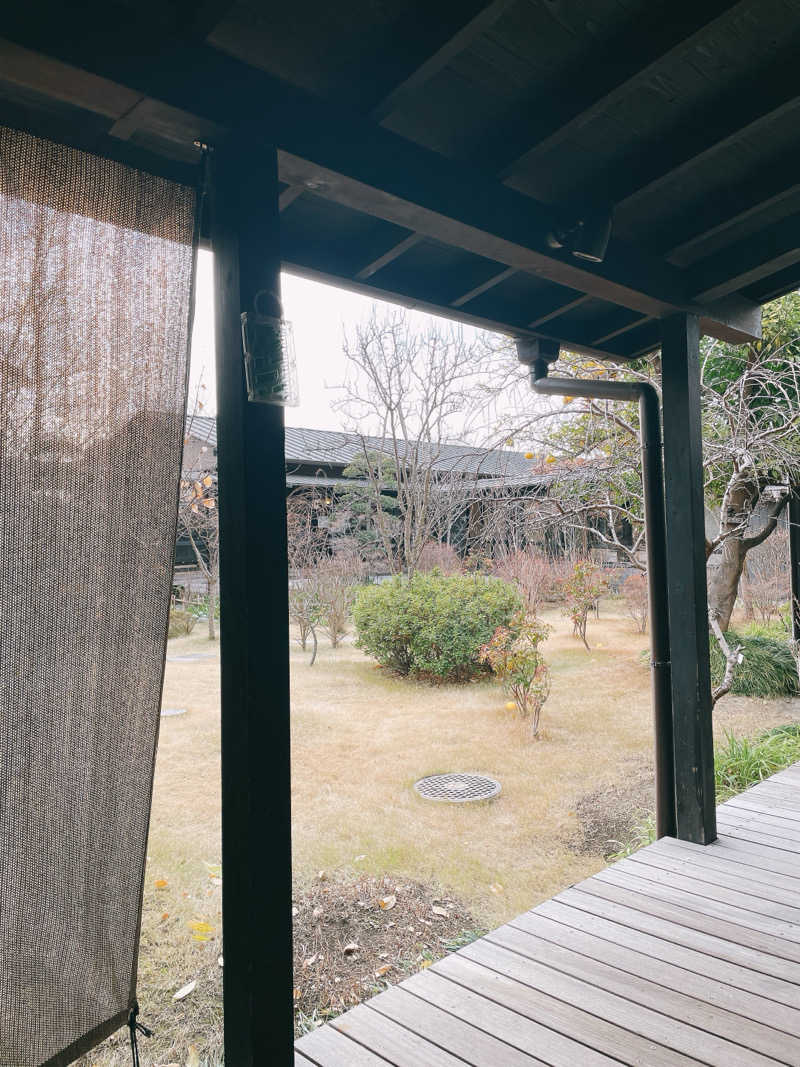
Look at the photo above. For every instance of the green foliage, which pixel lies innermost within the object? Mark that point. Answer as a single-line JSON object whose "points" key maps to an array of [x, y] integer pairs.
{"points": [[199, 607], [514, 656], [433, 625], [775, 628], [743, 762], [374, 516], [738, 764], [768, 668], [642, 834]]}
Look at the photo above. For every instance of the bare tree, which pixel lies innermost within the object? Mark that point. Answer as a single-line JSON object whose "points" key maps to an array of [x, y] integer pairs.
{"points": [[750, 404], [413, 393], [198, 519]]}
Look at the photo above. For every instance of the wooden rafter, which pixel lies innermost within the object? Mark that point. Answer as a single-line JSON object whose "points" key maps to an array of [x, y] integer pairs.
{"points": [[582, 95]]}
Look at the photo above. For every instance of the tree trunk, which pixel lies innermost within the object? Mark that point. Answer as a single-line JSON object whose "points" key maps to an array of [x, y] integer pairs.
{"points": [[212, 610], [741, 497], [723, 581]]}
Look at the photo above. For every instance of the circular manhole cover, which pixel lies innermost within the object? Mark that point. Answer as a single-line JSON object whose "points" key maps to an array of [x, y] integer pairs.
{"points": [[457, 788]]}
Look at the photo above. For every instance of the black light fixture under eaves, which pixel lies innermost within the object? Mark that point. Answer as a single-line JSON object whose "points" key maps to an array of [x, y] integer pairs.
{"points": [[587, 238]]}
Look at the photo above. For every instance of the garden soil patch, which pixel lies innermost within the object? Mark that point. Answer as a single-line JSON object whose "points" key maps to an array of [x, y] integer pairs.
{"points": [[606, 815], [353, 939]]}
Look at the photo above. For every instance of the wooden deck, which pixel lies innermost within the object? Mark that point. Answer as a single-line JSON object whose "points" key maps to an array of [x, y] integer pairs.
{"points": [[679, 955]]}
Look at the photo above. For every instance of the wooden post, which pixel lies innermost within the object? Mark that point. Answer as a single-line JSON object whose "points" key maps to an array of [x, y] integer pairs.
{"points": [[794, 559], [686, 580], [256, 822]]}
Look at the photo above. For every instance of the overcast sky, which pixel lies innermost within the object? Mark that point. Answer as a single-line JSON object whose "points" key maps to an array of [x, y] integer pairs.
{"points": [[320, 315]]}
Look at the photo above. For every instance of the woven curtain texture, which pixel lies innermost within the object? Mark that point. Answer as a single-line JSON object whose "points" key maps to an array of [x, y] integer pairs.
{"points": [[96, 274]]}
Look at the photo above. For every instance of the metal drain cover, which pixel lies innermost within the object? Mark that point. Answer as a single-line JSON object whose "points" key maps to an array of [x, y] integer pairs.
{"points": [[457, 788]]}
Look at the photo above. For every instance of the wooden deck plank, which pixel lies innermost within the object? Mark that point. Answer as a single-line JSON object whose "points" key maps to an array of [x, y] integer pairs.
{"points": [[767, 824], [724, 858], [789, 774], [740, 894], [776, 936], [584, 1027], [326, 1047], [766, 807], [672, 1033], [757, 835], [718, 938], [464, 1039], [735, 1035], [753, 855], [779, 790], [750, 993], [399, 1046], [527, 1034], [724, 873], [679, 955]]}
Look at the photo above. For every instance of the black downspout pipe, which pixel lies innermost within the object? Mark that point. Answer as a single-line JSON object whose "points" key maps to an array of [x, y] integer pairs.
{"points": [[656, 537]]}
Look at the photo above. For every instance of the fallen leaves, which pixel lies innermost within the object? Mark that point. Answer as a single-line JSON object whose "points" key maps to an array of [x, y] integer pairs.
{"points": [[185, 991], [387, 903], [201, 930], [161, 883], [495, 887], [442, 912], [351, 948]]}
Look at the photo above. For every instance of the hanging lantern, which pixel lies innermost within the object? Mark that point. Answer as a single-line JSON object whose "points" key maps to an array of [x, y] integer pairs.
{"points": [[269, 360]]}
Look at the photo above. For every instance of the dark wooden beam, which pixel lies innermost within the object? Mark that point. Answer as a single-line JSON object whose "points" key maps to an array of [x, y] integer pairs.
{"points": [[738, 113], [596, 88], [794, 558], [727, 208], [784, 281], [256, 786], [484, 288], [686, 578], [417, 298], [389, 256], [357, 163], [618, 331], [557, 311], [456, 26], [289, 195], [495, 222], [748, 261]]}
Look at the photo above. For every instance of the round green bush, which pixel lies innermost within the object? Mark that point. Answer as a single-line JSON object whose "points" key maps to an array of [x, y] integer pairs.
{"points": [[767, 670], [433, 625]]}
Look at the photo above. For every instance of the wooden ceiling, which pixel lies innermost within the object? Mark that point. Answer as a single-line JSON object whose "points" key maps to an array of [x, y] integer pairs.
{"points": [[428, 149]]}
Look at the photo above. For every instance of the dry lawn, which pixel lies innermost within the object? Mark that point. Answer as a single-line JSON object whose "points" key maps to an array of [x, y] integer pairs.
{"points": [[361, 738]]}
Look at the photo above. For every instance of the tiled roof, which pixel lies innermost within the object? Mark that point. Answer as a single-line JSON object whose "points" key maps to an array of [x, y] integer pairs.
{"points": [[336, 448]]}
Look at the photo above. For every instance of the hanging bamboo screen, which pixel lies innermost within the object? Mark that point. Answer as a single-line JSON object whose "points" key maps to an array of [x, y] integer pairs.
{"points": [[96, 275]]}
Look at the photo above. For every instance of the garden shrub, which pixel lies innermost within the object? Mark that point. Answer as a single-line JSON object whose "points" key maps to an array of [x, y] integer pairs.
{"points": [[181, 622], [582, 589], [433, 625], [768, 668], [514, 656]]}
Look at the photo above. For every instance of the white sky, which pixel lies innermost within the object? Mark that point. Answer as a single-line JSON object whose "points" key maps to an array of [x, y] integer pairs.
{"points": [[320, 315]]}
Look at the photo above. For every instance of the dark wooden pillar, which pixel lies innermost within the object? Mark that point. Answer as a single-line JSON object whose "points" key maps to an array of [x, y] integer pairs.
{"points": [[256, 824], [686, 579], [794, 558]]}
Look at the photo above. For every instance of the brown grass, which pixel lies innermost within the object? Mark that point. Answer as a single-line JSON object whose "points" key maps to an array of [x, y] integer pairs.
{"points": [[360, 739]]}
